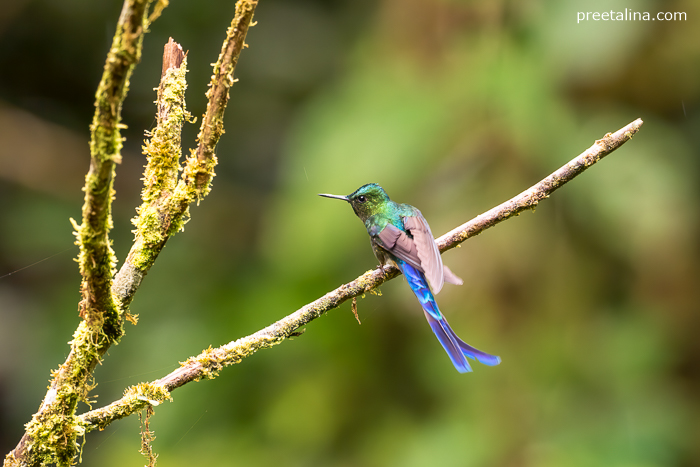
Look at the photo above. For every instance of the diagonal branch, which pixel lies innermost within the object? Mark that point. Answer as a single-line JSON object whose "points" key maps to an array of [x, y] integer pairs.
{"points": [[207, 364], [529, 198]]}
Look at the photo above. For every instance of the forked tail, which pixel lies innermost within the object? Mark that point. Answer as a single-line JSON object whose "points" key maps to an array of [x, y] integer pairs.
{"points": [[455, 347]]}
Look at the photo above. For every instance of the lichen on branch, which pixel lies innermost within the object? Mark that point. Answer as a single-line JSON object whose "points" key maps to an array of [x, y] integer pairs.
{"points": [[96, 258], [51, 435], [163, 152], [199, 167], [165, 209]]}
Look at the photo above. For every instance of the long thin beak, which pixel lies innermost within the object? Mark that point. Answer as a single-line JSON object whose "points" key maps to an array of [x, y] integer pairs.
{"points": [[344, 198]]}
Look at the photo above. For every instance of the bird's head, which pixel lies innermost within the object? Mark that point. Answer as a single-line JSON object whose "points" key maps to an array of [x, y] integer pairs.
{"points": [[366, 201]]}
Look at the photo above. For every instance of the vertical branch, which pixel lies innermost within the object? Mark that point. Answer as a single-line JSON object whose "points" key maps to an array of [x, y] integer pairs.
{"points": [[154, 223], [164, 148], [160, 219], [96, 258], [199, 169], [51, 435]]}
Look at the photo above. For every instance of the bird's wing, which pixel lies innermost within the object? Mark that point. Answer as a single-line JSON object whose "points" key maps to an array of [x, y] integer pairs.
{"points": [[399, 244], [427, 250], [419, 249]]}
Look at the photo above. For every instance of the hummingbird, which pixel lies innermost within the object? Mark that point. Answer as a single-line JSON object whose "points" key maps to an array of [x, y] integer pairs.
{"points": [[399, 234]]}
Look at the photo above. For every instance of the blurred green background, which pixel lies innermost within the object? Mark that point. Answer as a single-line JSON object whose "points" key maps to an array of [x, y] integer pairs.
{"points": [[453, 106]]}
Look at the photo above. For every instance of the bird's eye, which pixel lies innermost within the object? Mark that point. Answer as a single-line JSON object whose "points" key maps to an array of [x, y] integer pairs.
{"points": [[361, 199]]}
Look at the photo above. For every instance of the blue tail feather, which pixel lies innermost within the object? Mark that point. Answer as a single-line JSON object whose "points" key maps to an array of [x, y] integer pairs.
{"points": [[455, 347], [446, 338], [474, 353]]}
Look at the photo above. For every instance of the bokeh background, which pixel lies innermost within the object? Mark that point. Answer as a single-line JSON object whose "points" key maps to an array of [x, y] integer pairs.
{"points": [[453, 106]]}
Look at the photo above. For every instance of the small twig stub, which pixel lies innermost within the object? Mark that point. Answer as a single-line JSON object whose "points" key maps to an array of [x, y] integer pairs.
{"points": [[172, 56], [354, 310]]}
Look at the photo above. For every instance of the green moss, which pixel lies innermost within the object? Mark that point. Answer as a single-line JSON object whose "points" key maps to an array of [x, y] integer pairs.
{"points": [[196, 178], [135, 399], [163, 148], [211, 362], [54, 438], [149, 225], [151, 393], [156, 220], [53, 431]]}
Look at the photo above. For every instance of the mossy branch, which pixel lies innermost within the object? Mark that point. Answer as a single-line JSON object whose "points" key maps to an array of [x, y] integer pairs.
{"points": [[154, 223], [207, 364], [199, 168], [166, 205], [529, 198], [51, 435], [96, 258]]}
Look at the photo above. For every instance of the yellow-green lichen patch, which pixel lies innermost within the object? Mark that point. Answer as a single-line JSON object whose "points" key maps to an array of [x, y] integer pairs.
{"points": [[197, 177], [135, 398], [163, 148], [366, 280], [149, 225], [211, 362], [150, 393], [54, 438], [87, 347], [158, 216]]}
